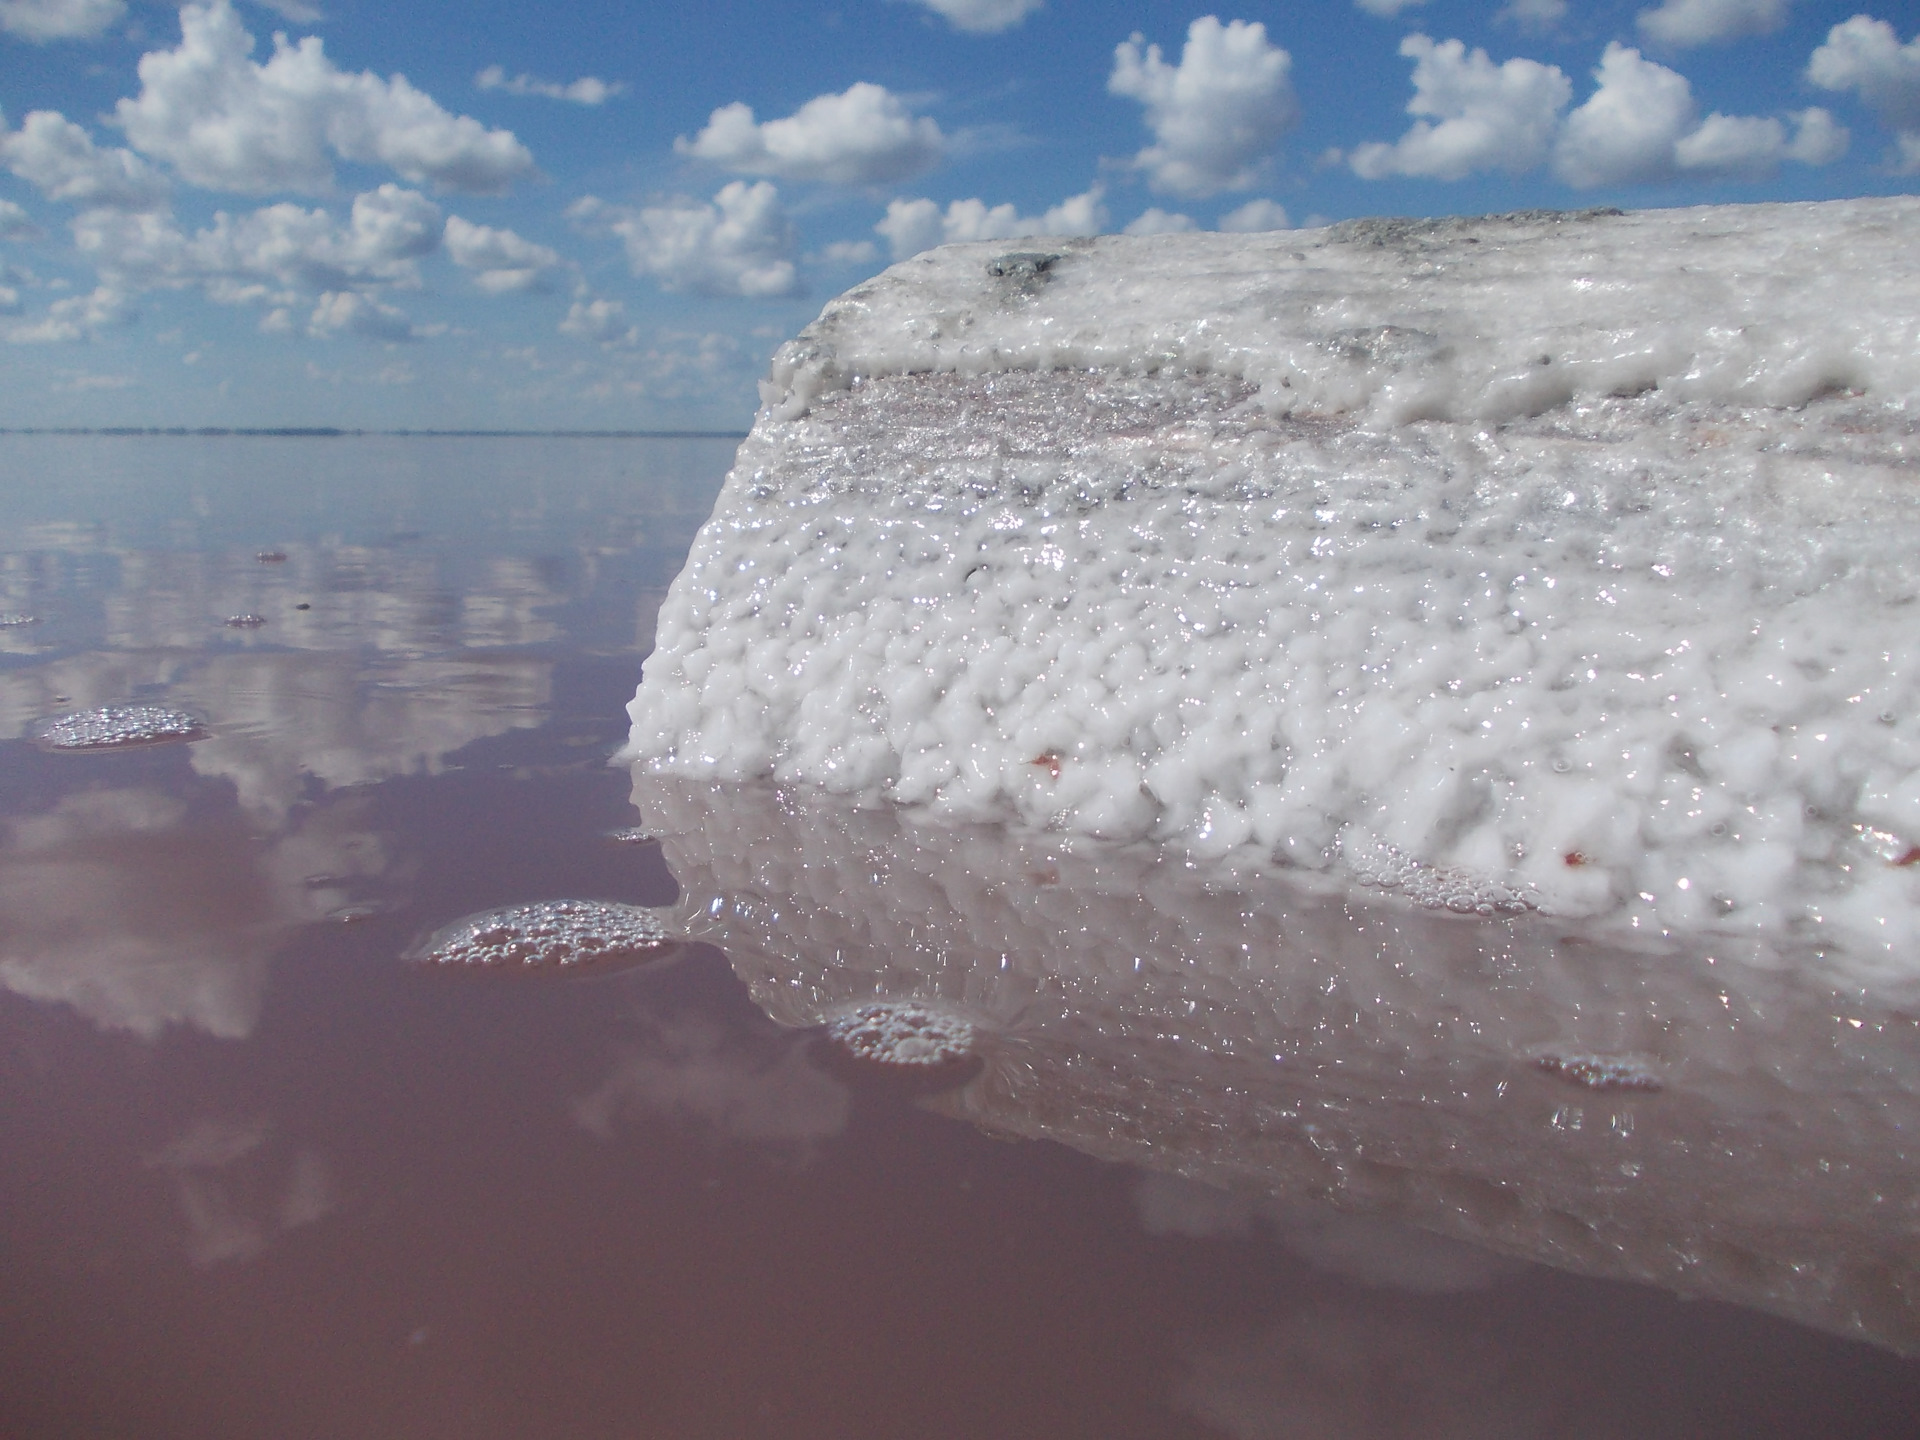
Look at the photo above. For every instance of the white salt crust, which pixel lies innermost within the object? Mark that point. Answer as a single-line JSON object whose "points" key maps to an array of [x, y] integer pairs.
{"points": [[548, 934], [1556, 562], [902, 1033], [114, 726]]}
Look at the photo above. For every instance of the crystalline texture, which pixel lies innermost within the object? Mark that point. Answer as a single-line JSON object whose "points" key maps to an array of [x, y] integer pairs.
{"points": [[1536, 561]]}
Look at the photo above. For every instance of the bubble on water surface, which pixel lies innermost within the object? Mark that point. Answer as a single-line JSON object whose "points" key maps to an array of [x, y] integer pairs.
{"points": [[1601, 1072], [904, 1034], [11, 619], [547, 935], [245, 622], [271, 557], [630, 835], [116, 726]]}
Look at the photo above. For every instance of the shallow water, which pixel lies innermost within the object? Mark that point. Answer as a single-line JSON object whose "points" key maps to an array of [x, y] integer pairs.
{"points": [[263, 1176]]}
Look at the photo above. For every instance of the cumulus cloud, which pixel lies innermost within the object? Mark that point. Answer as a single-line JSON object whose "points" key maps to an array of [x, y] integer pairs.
{"points": [[77, 317], [15, 223], [349, 312], [1158, 222], [1255, 216], [43, 20], [587, 90], [59, 159], [850, 252], [739, 244], [1387, 9], [386, 234], [226, 123], [1682, 24], [1490, 117], [602, 321], [1639, 127], [503, 260], [1865, 55], [862, 136], [982, 17], [911, 226], [1217, 114]]}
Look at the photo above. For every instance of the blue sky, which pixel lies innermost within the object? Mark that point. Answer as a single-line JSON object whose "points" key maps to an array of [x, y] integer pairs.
{"points": [[329, 212]]}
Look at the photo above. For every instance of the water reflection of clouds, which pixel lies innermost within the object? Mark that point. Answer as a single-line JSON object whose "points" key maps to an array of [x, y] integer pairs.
{"points": [[140, 915], [1362, 1248], [239, 1190], [760, 1091]]}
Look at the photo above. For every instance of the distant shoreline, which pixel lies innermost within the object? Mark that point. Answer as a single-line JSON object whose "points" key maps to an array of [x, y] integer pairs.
{"points": [[328, 432]]}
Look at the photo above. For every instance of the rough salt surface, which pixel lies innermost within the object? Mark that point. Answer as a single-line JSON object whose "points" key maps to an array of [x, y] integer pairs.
{"points": [[1556, 562], [904, 1033], [114, 726], [548, 934]]}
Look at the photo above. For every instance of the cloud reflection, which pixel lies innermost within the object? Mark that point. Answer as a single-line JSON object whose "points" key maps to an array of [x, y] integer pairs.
{"points": [[238, 1191], [762, 1091]]}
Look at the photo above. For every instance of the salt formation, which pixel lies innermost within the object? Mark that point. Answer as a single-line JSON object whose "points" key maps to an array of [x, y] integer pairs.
{"points": [[117, 726], [1565, 561], [902, 1033], [546, 935]]}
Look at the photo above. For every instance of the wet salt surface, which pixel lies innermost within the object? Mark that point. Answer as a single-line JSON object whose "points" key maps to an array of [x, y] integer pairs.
{"points": [[262, 1177], [114, 726]]}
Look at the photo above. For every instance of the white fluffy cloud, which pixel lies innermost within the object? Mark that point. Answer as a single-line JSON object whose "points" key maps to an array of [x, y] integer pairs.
{"points": [[1491, 117], [59, 159], [15, 224], [604, 321], [1387, 9], [1681, 24], [76, 317], [587, 90], [502, 260], [1866, 55], [1158, 222], [227, 123], [348, 312], [1255, 216], [982, 17], [1217, 114], [1640, 126], [42, 20], [740, 244], [911, 226], [862, 136], [282, 246]]}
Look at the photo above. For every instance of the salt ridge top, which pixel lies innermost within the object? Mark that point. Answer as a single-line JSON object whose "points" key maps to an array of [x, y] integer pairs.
{"points": [[1545, 561]]}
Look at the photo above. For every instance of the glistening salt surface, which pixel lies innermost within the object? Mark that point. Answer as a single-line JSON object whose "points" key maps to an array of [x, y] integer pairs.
{"points": [[114, 726], [1557, 562], [547, 934]]}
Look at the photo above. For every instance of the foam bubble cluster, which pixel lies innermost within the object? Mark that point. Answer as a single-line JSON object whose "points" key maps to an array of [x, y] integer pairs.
{"points": [[13, 619], [245, 622], [903, 1033], [546, 935], [115, 726]]}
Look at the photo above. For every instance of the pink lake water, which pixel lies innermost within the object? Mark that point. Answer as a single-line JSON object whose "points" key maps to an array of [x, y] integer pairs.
{"points": [[260, 1176]]}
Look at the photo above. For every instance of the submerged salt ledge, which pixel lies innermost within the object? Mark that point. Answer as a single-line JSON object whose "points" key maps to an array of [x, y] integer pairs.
{"points": [[1215, 541]]}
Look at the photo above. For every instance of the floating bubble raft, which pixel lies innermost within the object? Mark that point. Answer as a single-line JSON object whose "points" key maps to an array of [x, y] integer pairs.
{"points": [[271, 557], [1600, 1072], [245, 622], [630, 835], [903, 1033], [546, 935], [116, 726], [10, 619]]}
